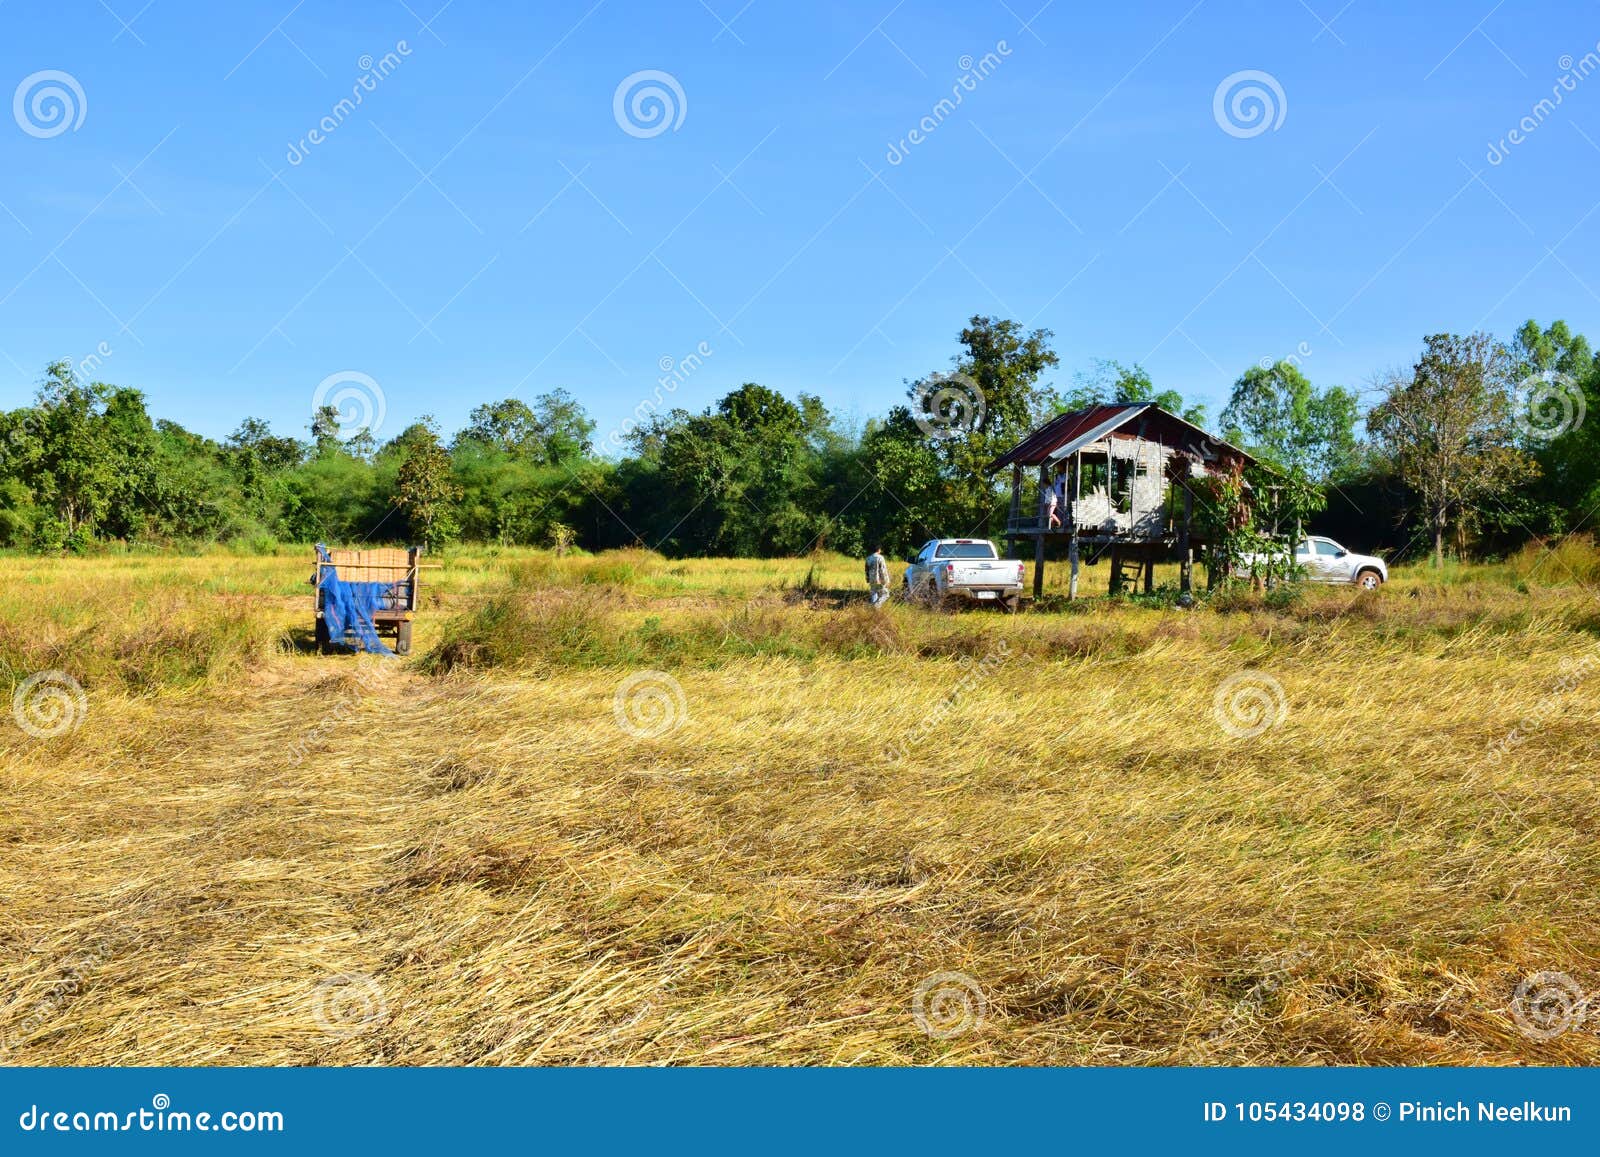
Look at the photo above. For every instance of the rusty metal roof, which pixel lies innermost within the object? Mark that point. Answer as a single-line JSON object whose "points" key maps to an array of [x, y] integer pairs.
{"points": [[1069, 432], [1064, 429]]}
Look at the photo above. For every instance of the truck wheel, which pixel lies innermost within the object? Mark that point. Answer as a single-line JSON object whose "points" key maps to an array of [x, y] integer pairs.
{"points": [[402, 638], [1369, 580]]}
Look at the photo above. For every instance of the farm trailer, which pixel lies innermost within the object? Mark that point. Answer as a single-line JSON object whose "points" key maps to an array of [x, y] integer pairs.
{"points": [[399, 571]]}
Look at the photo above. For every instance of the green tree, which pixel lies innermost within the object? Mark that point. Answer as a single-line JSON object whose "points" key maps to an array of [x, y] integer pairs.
{"points": [[1555, 348], [1111, 381], [71, 462], [1561, 422], [424, 490], [325, 431], [563, 428], [1276, 414], [994, 398], [554, 431], [1447, 427], [737, 479]]}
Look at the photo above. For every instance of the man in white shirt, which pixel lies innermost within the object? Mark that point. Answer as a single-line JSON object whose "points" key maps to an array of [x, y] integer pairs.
{"points": [[877, 577]]}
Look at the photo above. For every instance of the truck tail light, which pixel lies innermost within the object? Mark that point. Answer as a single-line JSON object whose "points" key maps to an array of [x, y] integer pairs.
{"points": [[949, 571]]}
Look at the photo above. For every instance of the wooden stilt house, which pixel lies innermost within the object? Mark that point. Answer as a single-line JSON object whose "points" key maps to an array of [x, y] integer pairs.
{"points": [[1112, 479]]}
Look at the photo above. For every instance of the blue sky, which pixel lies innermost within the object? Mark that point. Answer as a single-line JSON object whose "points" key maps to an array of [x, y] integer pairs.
{"points": [[484, 225]]}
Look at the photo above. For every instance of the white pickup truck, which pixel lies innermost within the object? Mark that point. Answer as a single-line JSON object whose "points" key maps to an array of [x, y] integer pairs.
{"points": [[947, 569], [1321, 560]]}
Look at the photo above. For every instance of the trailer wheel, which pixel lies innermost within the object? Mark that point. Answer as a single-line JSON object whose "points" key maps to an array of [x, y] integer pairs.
{"points": [[324, 642], [402, 638]]}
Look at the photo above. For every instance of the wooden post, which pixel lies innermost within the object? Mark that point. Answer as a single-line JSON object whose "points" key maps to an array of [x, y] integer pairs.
{"points": [[1185, 551], [1014, 518], [1116, 570], [1072, 559], [1150, 571], [1038, 541]]}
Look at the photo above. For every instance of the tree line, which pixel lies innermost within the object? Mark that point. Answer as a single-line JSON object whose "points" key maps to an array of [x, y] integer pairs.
{"points": [[1475, 448]]}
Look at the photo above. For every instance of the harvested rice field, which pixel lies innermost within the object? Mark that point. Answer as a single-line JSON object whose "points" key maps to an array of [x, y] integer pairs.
{"points": [[621, 809]]}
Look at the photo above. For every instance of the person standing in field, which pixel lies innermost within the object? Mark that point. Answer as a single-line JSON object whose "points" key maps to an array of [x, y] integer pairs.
{"points": [[877, 577]]}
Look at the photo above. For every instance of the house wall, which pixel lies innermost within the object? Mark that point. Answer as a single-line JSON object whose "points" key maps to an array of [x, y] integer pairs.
{"points": [[1094, 513]]}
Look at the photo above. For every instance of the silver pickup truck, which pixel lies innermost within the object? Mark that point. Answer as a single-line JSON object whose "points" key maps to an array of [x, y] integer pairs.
{"points": [[948, 569]]}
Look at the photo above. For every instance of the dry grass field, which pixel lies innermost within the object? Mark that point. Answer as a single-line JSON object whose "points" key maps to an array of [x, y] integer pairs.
{"points": [[626, 810]]}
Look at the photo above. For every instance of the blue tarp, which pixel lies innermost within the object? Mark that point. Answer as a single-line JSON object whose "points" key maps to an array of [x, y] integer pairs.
{"points": [[348, 606]]}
